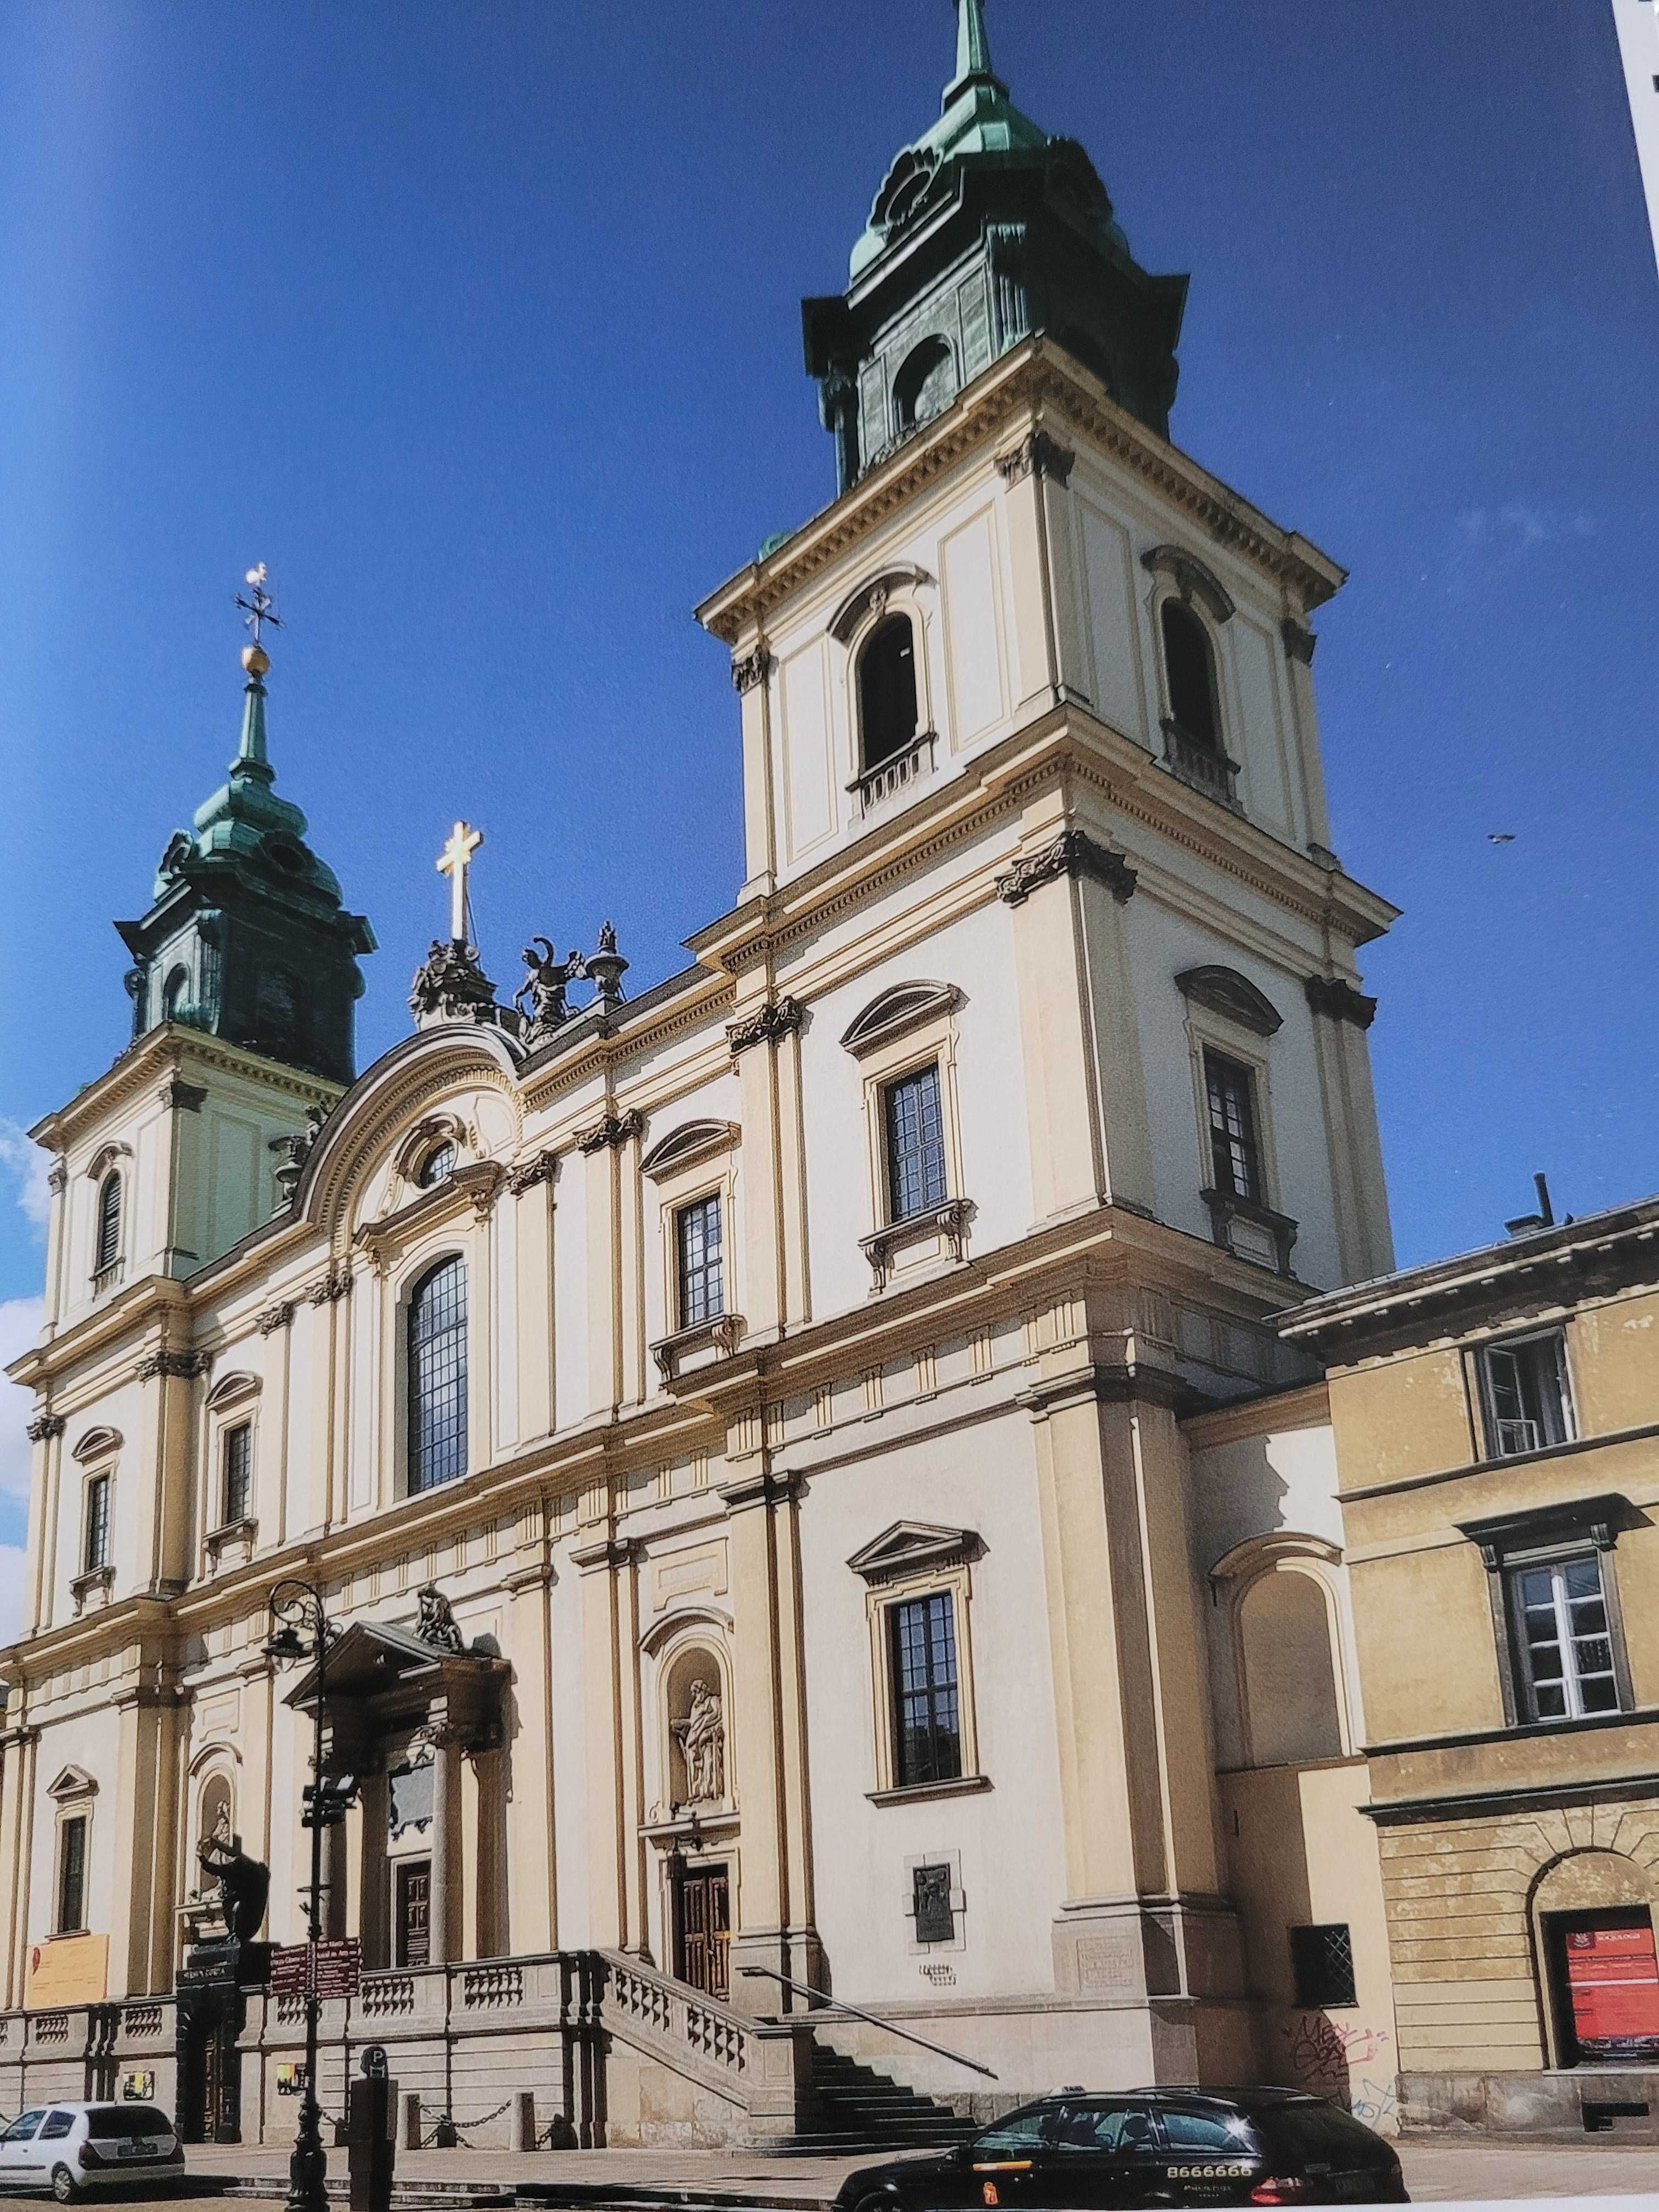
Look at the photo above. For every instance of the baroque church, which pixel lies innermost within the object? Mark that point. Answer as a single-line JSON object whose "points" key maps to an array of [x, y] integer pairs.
{"points": [[839, 1618]]}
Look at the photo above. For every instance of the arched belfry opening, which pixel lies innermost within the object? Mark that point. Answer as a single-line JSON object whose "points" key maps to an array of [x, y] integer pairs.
{"points": [[1189, 670], [925, 386], [888, 713]]}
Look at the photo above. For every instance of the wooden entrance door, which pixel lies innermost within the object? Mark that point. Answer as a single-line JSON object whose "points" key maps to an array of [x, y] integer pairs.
{"points": [[704, 1943], [413, 1929]]}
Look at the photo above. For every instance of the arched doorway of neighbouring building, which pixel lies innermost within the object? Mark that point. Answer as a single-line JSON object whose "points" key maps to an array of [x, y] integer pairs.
{"points": [[1592, 1917]]}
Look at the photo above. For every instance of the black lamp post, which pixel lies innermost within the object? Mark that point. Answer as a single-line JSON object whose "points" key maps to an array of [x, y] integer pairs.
{"points": [[299, 1630]]}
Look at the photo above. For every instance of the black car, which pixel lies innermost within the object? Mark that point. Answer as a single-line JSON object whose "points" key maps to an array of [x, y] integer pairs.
{"points": [[1147, 2147]]}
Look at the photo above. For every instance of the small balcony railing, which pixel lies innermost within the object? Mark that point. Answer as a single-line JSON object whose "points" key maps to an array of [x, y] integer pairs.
{"points": [[1205, 768], [905, 766]]}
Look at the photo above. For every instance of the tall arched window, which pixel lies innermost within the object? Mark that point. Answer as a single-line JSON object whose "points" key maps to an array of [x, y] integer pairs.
{"points": [[1290, 1674], [107, 1247], [887, 692], [1189, 669], [437, 1376]]}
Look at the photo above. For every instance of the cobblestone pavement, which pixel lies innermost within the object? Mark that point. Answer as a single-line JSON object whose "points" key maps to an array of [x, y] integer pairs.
{"points": [[1435, 2172]]}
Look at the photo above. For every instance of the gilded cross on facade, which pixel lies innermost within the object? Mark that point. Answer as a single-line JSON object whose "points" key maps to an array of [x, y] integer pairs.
{"points": [[454, 862], [258, 607]]}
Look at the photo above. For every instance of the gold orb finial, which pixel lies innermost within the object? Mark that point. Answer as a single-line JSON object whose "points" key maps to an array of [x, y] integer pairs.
{"points": [[256, 660]]}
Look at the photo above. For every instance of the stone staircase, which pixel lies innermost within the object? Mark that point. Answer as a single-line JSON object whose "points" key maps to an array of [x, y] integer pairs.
{"points": [[858, 2109]]}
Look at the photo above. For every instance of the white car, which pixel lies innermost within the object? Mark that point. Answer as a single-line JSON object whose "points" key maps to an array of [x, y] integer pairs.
{"points": [[68, 2147]]}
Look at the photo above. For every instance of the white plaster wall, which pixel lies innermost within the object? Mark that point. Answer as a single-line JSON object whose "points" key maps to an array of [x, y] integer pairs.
{"points": [[89, 1737], [570, 1755], [1009, 1836]]}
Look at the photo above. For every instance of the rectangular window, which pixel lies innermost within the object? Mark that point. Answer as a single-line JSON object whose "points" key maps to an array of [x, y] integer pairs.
{"points": [[1528, 1403], [699, 1242], [926, 1717], [1322, 1960], [914, 1126], [238, 1472], [1237, 1156], [95, 1550], [72, 1876], [1558, 1614]]}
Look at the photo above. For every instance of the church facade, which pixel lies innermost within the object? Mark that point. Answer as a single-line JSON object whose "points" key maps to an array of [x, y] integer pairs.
{"points": [[800, 1460]]}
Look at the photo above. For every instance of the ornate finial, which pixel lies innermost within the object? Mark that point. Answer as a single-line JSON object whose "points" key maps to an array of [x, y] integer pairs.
{"points": [[257, 609], [973, 47], [454, 862]]}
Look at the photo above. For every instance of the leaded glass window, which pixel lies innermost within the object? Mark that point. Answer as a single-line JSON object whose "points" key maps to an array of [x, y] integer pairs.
{"points": [[437, 1377], [1559, 1610], [107, 1249], [1237, 1155], [915, 1144], [239, 1472], [927, 1718], [702, 1261], [438, 1165]]}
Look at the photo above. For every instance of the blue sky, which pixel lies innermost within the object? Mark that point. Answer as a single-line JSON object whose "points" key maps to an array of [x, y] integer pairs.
{"points": [[480, 325]]}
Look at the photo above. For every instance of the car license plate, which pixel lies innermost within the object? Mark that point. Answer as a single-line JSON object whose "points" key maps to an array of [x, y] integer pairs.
{"points": [[136, 2149]]}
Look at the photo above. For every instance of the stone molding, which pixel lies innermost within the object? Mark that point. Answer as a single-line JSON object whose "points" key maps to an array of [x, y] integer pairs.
{"points": [[1037, 454], [768, 1487], [723, 1335], [280, 1316], [1191, 578], [778, 1018], [180, 1366], [612, 1132], [56, 1178], [1300, 642], [608, 1551], [1224, 991], [184, 1098], [871, 597], [541, 1167], [44, 1427], [1074, 853], [331, 1287], [1329, 994], [751, 670], [949, 1219]]}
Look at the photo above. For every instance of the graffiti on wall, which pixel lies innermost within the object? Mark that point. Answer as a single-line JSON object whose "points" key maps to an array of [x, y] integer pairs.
{"points": [[1348, 2064]]}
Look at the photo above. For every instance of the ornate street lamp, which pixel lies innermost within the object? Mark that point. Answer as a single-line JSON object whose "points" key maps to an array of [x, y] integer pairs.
{"points": [[300, 1629]]}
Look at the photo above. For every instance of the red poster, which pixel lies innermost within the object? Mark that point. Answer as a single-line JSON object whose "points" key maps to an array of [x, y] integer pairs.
{"points": [[1613, 1980]]}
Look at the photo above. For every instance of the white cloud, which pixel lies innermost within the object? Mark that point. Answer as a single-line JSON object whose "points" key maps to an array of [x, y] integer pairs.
{"points": [[20, 1325], [31, 1166], [1518, 525]]}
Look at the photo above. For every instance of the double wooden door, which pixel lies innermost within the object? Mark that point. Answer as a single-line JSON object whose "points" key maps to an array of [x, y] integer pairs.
{"points": [[703, 1940], [413, 1926]]}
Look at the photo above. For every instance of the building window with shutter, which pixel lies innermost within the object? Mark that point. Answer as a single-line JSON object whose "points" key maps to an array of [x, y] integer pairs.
{"points": [[106, 1243], [700, 1249], [237, 1501], [72, 1875]]}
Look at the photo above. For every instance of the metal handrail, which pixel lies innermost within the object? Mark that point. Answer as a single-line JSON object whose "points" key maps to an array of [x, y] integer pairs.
{"points": [[874, 2019]]}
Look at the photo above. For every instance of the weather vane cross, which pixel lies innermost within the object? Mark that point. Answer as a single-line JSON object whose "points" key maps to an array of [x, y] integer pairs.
{"points": [[258, 607], [454, 862]]}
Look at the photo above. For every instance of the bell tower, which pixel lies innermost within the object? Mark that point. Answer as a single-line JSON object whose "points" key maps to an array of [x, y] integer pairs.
{"points": [[245, 937], [985, 232]]}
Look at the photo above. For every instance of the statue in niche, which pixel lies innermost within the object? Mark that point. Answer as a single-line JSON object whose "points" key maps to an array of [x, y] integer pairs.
{"points": [[435, 1624], [244, 1883], [702, 1741]]}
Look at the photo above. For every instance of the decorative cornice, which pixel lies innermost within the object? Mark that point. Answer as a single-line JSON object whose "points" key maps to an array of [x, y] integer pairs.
{"points": [[1224, 991], [178, 1366], [542, 1167], [184, 1098], [275, 1317], [1299, 641], [158, 1053], [1037, 454], [56, 1178], [609, 1551], [613, 1132], [751, 670], [334, 1285], [1329, 994], [1073, 852], [778, 1018], [45, 1425], [1191, 577]]}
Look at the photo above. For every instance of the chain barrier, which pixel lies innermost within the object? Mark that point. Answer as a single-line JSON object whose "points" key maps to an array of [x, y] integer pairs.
{"points": [[448, 2126]]}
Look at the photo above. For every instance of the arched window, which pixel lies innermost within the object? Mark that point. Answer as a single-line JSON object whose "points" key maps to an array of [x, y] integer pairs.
{"points": [[925, 386], [173, 996], [107, 1248], [438, 1165], [1189, 668], [437, 1376], [1290, 1677], [887, 691]]}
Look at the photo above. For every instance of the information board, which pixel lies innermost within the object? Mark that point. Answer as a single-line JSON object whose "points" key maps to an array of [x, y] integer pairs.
{"points": [[1612, 1983], [338, 1967]]}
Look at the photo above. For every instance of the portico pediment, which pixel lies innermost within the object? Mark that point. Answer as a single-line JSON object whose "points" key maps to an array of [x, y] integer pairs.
{"points": [[909, 1547], [381, 1679]]}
